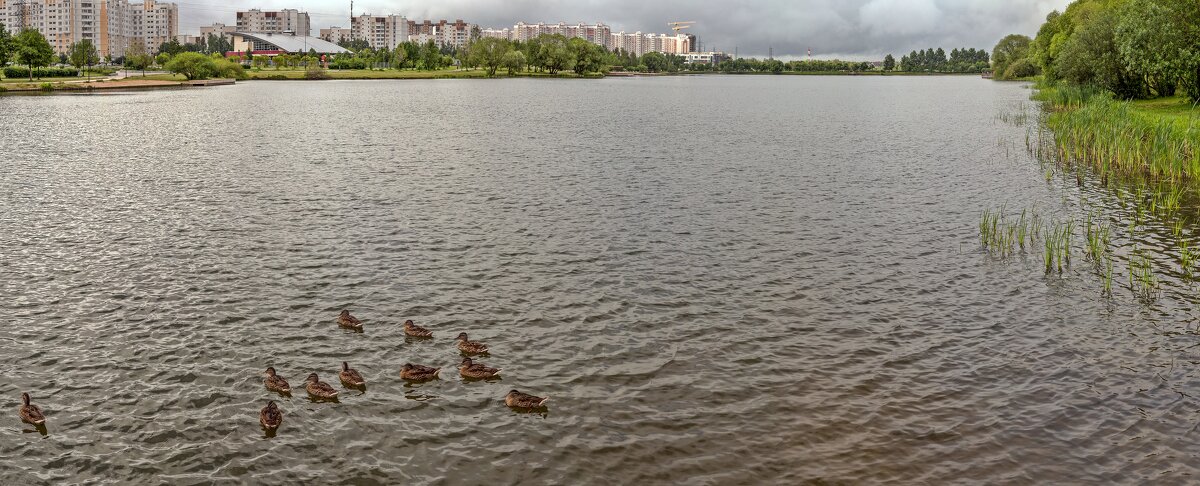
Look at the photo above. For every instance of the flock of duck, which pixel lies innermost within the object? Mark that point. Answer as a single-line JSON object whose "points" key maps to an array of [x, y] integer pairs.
{"points": [[271, 416]]}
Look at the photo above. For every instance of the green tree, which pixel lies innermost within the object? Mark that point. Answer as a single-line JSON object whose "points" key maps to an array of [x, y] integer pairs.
{"points": [[1160, 40], [514, 61], [656, 62], [489, 53], [1009, 50], [172, 48], [589, 57], [889, 63], [554, 53], [83, 53], [33, 50], [137, 58], [162, 59], [6, 45], [1090, 58], [192, 65]]}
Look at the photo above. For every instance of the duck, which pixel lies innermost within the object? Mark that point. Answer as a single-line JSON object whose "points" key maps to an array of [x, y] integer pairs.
{"points": [[350, 376], [318, 388], [468, 346], [270, 417], [414, 372], [275, 382], [348, 321], [414, 330], [30, 413], [471, 369], [517, 399]]}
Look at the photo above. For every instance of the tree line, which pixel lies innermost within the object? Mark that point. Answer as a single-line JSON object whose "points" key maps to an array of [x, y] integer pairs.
{"points": [[1130, 48], [935, 61]]}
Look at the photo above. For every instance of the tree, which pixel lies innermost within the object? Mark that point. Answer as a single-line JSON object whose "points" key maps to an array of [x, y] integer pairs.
{"points": [[555, 56], [889, 63], [1160, 40], [656, 62], [83, 53], [1090, 57], [488, 52], [136, 56], [172, 48], [192, 65], [589, 57], [1009, 50], [6, 45], [514, 61], [32, 50]]}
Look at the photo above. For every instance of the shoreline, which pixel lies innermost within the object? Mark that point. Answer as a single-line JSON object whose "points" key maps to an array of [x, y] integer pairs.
{"points": [[160, 81]]}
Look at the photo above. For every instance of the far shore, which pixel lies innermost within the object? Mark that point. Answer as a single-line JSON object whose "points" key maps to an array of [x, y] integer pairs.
{"points": [[162, 80]]}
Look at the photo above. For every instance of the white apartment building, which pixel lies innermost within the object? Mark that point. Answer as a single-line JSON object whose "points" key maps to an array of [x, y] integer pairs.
{"points": [[640, 44], [273, 22], [387, 31], [596, 33], [336, 34], [110, 24]]}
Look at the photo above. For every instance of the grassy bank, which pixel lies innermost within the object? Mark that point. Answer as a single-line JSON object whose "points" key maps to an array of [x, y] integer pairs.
{"points": [[296, 74], [1158, 140]]}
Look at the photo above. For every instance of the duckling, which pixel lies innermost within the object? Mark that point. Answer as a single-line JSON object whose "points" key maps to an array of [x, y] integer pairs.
{"points": [[470, 347], [517, 399], [414, 372], [30, 413], [275, 382], [470, 369], [270, 417], [414, 330], [350, 376], [318, 388], [348, 321]]}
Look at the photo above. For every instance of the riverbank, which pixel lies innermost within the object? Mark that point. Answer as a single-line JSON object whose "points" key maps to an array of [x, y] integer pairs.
{"points": [[1157, 139]]}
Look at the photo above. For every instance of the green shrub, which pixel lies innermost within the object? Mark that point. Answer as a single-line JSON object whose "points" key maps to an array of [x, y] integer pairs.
{"points": [[15, 72], [47, 86], [314, 71], [1021, 68], [229, 69]]}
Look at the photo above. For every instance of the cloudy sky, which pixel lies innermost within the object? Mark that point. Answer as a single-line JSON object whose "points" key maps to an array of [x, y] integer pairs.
{"points": [[831, 28]]}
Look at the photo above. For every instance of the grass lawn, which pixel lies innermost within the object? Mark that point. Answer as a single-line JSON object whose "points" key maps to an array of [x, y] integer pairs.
{"points": [[1177, 109]]}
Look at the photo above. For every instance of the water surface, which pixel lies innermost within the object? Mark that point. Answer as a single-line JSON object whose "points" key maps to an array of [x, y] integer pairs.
{"points": [[718, 280]]}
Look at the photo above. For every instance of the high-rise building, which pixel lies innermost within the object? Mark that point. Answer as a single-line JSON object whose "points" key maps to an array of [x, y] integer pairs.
{"points": [[640, 44], [273, 22], [596, 33], [336, 34], [442, 32], [110, 24], [379, 32]]}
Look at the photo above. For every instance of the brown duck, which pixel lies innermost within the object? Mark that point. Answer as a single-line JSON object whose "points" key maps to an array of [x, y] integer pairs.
{"points": [[471, 369], [270, 417], [517, 399], [276, 383], [350, 376], [318, 388], [348, 321], [414, 372], [414, 330], [468, 346], [30, 413]]}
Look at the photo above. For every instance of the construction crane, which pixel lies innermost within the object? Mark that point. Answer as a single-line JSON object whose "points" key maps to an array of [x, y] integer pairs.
{"points": [[678, 26]]}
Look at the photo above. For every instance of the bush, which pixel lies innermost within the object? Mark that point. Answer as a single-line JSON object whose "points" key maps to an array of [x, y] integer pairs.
{"points": [[1022, 68], [23, 72], [229, 69], [192, 65], [314, 71]]}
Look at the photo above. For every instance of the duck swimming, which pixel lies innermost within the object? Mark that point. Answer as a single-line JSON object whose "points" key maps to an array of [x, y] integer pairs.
{"points": [[471, 369], [276, 383], [414, 330], [350, 376], [30, 413], [517, 399], [348, 321], [470, 347], [318, 388], [270, 417], [414, 372]]}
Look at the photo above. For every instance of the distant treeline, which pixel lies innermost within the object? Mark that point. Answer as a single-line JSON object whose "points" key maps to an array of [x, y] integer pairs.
{"points": [[1130, 48], [935, 61]]}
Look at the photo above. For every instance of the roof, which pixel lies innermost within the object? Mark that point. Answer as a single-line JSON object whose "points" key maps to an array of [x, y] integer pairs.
{"points": [[296, 43]]}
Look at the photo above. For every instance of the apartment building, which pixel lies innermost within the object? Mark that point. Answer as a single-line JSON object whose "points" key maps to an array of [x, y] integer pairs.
{"points": [[596, 33], [336, 34], [387, 31], [110, 24], [217, 29], [640, 44], [273, 22], [442, 32]]}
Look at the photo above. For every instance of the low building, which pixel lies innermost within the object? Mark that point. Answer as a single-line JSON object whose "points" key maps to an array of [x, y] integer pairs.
{"points": [[217, 29], [712, 58], [271, 44]]}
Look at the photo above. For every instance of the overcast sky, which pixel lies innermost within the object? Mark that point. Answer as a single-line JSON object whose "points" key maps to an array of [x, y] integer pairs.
{"points": [[851, 29]]}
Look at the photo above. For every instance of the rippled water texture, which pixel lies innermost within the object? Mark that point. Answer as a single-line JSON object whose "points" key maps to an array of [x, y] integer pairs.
{"points": [[718, 280]]}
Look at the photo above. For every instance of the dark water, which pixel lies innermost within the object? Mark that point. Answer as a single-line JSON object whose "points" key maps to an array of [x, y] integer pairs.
{"points": [[718, 280]]}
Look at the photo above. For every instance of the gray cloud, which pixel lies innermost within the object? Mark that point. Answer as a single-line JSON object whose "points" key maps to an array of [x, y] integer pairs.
{"points": [[856, 29]]}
